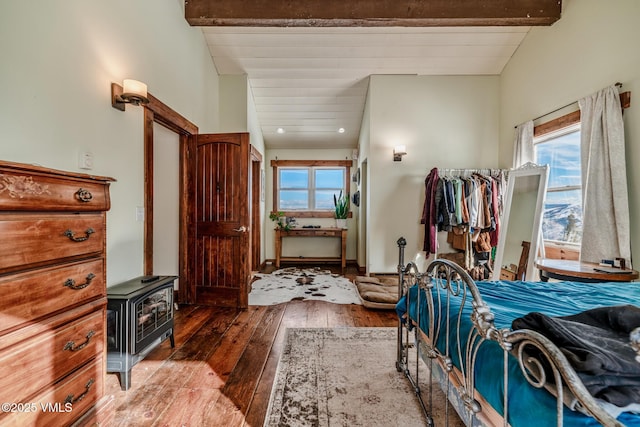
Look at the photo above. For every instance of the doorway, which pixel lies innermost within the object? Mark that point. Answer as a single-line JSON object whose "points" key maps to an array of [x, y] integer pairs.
{"points": [[188, 140], [364, 216], [257, 195], [166, 202], [158, 113]]}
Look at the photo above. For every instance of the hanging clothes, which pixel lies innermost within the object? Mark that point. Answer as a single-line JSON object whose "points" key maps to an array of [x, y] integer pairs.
{"points": [[428, 213], [467, 201]]}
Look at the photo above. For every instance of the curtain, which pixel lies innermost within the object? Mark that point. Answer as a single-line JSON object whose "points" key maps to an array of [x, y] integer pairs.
{"points": [[523, 145], [605, 204]]}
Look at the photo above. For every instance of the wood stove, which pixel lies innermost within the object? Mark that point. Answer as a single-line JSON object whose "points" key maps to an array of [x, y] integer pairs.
{"points": [[139, 318]]}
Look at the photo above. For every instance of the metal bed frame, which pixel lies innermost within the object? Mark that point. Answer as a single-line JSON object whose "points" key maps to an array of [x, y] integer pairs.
{"points": [[458, 383]]}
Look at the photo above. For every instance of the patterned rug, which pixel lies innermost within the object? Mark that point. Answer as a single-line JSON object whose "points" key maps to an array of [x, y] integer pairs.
{"points": [[294, 283], [343, 377]]}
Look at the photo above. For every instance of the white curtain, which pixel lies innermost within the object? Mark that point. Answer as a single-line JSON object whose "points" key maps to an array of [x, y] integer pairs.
{"points": [[523, 145], [604, 178]]}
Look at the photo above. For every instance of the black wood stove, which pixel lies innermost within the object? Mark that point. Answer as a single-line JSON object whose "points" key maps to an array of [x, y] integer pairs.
{"points": [[139, 318]]}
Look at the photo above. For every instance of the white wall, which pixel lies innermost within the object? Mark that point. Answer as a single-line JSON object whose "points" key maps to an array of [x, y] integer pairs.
{"points": [[233, 103], [238, 114], [58, 61], [445, 122], [594, 45], [301, 246], [257, 141]]}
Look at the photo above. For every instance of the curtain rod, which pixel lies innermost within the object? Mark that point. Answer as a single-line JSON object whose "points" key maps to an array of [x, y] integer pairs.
{"points": [[466, 172], [560, 108]]}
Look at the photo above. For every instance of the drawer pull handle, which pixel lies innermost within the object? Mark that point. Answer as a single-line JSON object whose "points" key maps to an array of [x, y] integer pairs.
{"points": [[71, 346], [84, 195], [72, 237], [70, 283], [70, 398]]}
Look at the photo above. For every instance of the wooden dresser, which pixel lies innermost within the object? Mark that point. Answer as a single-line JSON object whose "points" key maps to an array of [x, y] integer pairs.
{"points": [[52, 297]]}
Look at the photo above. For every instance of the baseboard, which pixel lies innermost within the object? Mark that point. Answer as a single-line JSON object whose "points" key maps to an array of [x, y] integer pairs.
{"points": [[271, 261]]}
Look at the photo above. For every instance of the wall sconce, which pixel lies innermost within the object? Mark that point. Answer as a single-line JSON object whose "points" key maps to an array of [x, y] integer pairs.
{"points": [[398, 152], [131, 92]]}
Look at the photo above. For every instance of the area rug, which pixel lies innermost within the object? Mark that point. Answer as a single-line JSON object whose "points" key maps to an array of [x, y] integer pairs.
{"points": [[294, 283], [343, 377]]}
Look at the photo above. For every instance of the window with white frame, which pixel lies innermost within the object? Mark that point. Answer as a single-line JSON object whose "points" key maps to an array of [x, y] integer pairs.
{"points": [[306, 188], [562, 220]]}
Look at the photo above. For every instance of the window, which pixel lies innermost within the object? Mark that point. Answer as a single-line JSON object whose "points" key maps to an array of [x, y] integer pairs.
{"points": [[557, 143], [305, 188], [562, 219]]}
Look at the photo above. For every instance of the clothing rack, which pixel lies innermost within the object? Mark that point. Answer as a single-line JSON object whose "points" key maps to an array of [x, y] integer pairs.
{"points": [[468, 172], [469, 230]]}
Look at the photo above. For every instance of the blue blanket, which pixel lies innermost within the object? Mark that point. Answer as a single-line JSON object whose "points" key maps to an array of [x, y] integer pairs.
{"points": [[509, 300]]}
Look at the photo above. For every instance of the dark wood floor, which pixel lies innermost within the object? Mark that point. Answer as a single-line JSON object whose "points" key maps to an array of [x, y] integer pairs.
{"points": [[222, 368]]}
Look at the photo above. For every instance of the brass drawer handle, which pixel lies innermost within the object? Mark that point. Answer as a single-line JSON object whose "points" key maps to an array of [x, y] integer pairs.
{"points": [[70, 283], [70, 399], [71, 346], [72, 237], [84, 195]]}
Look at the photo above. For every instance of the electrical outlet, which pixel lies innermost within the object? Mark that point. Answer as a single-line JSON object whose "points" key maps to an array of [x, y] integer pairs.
{"points": [[85, 160]]}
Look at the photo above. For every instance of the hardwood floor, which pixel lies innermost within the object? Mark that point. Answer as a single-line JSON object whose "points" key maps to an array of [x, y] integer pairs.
{"points": [[223, 365]]}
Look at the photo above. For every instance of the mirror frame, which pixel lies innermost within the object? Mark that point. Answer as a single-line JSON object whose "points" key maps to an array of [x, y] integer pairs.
{"points": [[526, 170]]}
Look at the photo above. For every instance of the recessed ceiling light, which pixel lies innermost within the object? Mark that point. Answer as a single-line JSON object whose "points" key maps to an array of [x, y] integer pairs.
{"points": [[280, 130], [341, 130]]}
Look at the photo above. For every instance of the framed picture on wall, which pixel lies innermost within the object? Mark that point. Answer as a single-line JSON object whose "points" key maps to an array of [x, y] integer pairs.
{"points": [[356, 177], [356, 198]]}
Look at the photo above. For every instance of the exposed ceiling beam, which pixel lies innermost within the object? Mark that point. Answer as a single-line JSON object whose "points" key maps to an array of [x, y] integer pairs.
{"points": [[371, 13]]}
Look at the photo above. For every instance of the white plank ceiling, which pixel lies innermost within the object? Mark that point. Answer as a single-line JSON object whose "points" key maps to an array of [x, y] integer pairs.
{"points": [[313, 81]]}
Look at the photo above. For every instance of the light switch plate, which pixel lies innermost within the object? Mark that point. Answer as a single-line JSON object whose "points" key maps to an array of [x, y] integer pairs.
{"points": [[85, 160]]}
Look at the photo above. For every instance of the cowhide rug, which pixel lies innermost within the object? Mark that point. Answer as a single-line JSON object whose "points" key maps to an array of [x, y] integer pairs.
{"points": [[294, 283]]}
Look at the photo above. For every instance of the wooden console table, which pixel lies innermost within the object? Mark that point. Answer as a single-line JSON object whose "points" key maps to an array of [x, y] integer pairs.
{"points": [[579, 271], [313, 232]]}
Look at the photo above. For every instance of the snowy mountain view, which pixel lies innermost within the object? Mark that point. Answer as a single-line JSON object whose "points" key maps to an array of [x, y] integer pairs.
{"points": [[562, 222]]}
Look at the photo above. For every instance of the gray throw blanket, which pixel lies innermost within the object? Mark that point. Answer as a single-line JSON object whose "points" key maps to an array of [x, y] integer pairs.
{"points": [[596, 343]]}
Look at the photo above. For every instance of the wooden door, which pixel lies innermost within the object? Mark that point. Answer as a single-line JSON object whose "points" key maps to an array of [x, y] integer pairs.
{"points": [[222, 246]]}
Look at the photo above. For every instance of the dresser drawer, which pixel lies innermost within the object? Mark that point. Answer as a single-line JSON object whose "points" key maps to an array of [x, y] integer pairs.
{"points": [[329, 233], [32, 295], [30, 240], [49, 356], [35, 191], [311, 232], [507, 275], [64, 402]]}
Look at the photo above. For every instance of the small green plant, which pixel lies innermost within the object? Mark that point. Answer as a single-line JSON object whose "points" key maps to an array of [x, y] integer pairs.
{"points": [[279, 218], [341, 204]]}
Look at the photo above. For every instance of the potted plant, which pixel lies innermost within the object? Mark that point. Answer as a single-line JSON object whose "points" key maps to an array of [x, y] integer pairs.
{"points": [[280, 220], [341, 204]]}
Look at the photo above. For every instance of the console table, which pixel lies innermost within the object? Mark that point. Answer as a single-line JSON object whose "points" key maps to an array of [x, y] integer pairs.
{"points": [[580, 271], [313, 232]]}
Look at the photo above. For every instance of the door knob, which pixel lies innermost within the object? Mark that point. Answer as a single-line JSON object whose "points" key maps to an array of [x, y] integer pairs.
{"points": [[242, 229]]}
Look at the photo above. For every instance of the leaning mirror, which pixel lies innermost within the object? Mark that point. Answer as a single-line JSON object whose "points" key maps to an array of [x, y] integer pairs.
{"points": [[519, 238]]}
